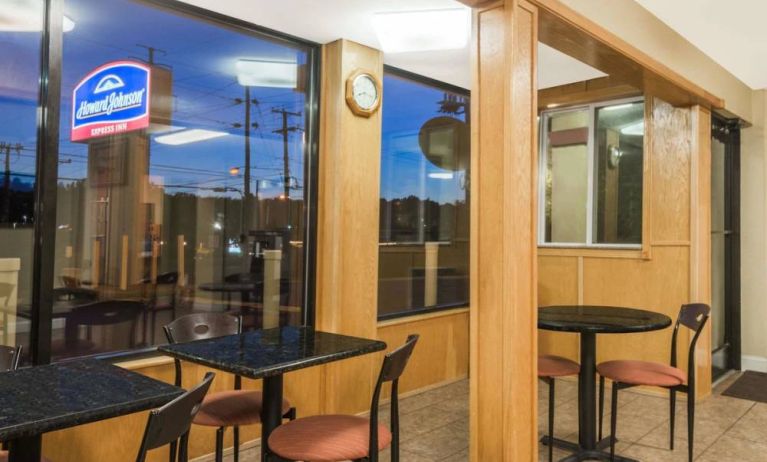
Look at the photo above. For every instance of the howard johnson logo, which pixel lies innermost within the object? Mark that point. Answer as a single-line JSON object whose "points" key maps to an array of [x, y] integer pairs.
{"points": [[111, 99]]}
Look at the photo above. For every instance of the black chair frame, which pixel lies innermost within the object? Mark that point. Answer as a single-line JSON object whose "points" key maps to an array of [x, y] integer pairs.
{"points": [[393, 366], [550, 382], [694, 317], [199, 326], [170, 424]]}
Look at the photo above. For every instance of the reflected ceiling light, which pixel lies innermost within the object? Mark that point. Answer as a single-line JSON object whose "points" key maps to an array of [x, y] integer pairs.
{"points": [[635, 129], [426, 30], [188, 136], [262, 73], [618, 107], [441, 175], [26, 16]]}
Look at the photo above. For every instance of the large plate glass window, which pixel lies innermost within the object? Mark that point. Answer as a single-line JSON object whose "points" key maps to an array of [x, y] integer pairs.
{"points": [[424, 224], [591, 175], [183, 175], [21, 25]]}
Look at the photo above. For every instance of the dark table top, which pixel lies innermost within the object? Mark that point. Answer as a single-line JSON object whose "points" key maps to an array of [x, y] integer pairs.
{"points": [[40, 399], [270, 352], [600, 319]]}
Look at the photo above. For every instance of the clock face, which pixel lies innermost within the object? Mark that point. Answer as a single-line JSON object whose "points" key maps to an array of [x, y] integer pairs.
{"points": [[365, 91]]}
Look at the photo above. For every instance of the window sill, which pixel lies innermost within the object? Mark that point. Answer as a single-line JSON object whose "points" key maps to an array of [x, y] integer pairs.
{"points": [[405, 319], [635, 253]]}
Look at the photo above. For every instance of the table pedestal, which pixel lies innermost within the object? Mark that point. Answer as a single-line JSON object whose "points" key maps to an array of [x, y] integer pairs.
{"points": [[24, 449], [588, 448], [271, 413]]}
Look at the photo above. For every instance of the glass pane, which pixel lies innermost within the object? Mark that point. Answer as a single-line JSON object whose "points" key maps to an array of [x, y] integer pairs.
{"points": [[567, 179], [424, 225], [181, 183], [20, 36], [619, 138], [718, 247]]}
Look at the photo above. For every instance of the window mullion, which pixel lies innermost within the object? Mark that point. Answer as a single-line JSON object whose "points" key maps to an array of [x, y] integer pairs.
{"points": [[590, 196]]}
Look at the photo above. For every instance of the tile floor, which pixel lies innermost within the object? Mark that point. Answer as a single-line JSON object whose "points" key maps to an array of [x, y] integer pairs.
{"points": [[435, 427]]}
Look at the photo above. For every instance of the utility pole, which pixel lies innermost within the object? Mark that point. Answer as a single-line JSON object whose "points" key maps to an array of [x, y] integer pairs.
{"points": [[6, 211], [285, 154]]}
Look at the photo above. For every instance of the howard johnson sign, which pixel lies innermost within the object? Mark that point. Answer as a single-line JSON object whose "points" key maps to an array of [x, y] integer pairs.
{"points": [[112, 99]]}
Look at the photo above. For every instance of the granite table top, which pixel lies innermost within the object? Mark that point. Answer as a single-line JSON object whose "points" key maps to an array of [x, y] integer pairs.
{"points": [[271, 352], [36, 400]]}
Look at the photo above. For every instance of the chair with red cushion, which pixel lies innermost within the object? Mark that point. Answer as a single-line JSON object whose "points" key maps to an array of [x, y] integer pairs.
{"points": [[231, 408], [628, 373], [331, 438], [550, 367]]}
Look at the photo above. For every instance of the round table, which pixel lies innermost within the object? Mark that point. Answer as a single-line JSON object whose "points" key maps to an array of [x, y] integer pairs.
{"points": [[589, 321]]}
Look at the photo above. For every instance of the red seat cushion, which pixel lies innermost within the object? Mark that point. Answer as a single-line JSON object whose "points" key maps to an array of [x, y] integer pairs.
{"points": [[233, 407], [642, 373], [326, 438], [556, 366]]}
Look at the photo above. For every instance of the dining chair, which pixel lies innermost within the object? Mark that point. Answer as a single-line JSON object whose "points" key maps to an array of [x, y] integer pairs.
{"points": [[347, 437], [161, 295], [631, 373], [549, 368], [170, 424], [231, 408]]}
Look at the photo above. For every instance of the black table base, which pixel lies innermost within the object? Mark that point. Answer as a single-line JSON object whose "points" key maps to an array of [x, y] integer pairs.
{"points": [[24, 449], [601, 452], [271, 413]]}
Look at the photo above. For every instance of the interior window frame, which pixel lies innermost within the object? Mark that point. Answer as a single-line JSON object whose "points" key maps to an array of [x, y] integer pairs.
{"points": [[591, 216]]}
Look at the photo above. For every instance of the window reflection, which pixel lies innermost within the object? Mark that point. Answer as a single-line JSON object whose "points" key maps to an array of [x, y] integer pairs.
{"points": [[198, 208], [424, 222], [20, 37]]}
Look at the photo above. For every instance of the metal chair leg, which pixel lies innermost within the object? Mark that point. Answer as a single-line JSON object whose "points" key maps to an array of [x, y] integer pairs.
{"points": [[601, 404], [690, 422], [613, 420], [291, 414], [172, 453], [672, 417], [220, 444], [236, 456], [551, 419]]}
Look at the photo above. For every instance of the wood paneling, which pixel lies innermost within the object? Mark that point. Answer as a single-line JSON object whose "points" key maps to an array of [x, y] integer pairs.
{"points": [[347, 240], [577, 36], [442, 354], [503, 264], [588, 91]]}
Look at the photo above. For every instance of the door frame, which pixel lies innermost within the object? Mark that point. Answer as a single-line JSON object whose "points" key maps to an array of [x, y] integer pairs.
{"points": [[727, 131]]}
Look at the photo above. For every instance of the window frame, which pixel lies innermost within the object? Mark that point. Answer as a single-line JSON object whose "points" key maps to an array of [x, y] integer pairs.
{"points": [[51, 57], [428, 81], [591, 179]]}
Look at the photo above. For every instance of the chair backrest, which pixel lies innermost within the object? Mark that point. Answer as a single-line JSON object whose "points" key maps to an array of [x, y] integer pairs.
{"points": [[692, 316], [171, 422], [393, 366], [106, 312], [9, 358], [200, 326]]}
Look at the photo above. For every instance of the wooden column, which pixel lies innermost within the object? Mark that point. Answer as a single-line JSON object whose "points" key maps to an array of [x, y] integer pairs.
{"points": [[347, 228], [503, 234], [700, 237]]}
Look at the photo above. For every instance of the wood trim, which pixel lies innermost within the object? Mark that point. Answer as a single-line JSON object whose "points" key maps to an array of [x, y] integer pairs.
{"points": [[586, 92], [423, 317], [143, 363], [503, 417], [636, 254], [572, 33], [647, 160]]}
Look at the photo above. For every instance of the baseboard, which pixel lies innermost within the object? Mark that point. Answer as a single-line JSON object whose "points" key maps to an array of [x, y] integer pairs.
{"points": [[753, 363]]}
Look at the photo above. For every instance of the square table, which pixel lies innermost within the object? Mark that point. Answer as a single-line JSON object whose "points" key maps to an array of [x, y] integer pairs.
{"points": [[36, 400], [268, 354]]}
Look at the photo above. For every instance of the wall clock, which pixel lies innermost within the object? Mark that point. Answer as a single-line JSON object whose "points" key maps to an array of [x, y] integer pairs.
{"points": [[363, 93]]}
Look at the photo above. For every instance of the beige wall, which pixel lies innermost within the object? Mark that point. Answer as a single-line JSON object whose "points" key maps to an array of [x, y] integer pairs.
{"points": [[753, 190]]}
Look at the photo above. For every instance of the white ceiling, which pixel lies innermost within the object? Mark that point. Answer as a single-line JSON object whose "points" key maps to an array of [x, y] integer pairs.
{"points": [[328, 20], [731, 32]]}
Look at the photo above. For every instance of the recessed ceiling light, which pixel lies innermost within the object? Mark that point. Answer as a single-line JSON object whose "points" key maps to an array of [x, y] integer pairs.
{"points": [[426, 30], [265, 73], [188, 136], [635, 129], [618, 107]]}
